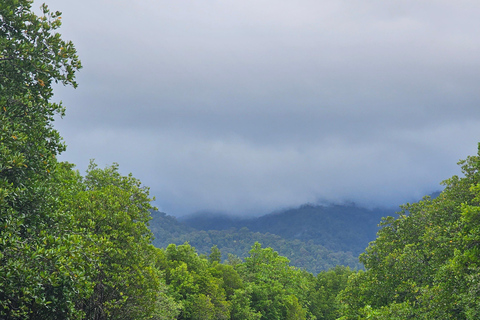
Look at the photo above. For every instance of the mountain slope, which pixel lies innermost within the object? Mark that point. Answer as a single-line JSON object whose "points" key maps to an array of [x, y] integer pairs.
{"points": [[306, 255], [347, 228]]}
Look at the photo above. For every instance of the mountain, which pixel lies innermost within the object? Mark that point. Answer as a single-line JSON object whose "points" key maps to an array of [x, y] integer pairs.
{"points": [[347, 228], [238, 242], [313, 237]]}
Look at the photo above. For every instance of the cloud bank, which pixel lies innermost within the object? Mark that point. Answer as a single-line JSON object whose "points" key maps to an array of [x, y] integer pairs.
{"points": [[251, 106]]}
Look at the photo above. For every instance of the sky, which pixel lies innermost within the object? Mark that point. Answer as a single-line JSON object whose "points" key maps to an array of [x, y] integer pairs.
{"points": [[247, 107]]}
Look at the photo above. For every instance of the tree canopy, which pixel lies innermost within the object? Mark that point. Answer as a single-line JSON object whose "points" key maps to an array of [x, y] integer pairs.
{"points": [[425, 262], [35, 277]]}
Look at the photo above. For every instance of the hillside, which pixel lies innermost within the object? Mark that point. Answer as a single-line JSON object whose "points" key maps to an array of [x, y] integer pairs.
{"points": [[313, 237], [306, 255], [347, 228]]}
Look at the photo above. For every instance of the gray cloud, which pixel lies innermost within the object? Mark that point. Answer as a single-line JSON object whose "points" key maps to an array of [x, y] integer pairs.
{"points": [[250, 106]]}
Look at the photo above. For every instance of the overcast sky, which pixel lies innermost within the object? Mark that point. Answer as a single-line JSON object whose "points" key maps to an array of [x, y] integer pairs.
{"points": [[256, 105]]}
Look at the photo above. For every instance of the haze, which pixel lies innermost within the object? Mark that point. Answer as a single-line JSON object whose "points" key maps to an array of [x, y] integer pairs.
{"points": [[247, 107]]}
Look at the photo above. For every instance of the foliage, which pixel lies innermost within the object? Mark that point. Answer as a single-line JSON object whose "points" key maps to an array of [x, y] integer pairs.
{"points": [[424, 263], [277, 290], [32, 57], [347, 227], [114, 210], [308, 256], [196, 284], [323, 295], [41, 267], [264, 286], [70, 247]]}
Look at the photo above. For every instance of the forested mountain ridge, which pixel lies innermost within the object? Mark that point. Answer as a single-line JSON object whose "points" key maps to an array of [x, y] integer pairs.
{"points": [[347, 228], [305, 255], [312, 237]]}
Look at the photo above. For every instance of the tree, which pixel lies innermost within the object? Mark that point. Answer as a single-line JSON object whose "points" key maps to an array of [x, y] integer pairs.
{"points": [[241, 305], [39, 258], [215, 255], [196, 284], [32, 57], [114, 211], [323, 295], [424, 263], [276, 290]]}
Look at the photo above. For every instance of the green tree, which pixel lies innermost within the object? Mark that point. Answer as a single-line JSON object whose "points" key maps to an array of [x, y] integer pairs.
{"points": [[40, 269], [32, 57], [215, 255], [323, 295], [231, 280], [424, 264], [196, 284], [276, 290], [241, 305], [114, 210]]}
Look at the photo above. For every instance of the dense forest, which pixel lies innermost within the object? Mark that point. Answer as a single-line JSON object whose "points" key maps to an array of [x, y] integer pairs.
{"points": [[78, 246], [238, 242], [313, 237], [347, 228]]}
